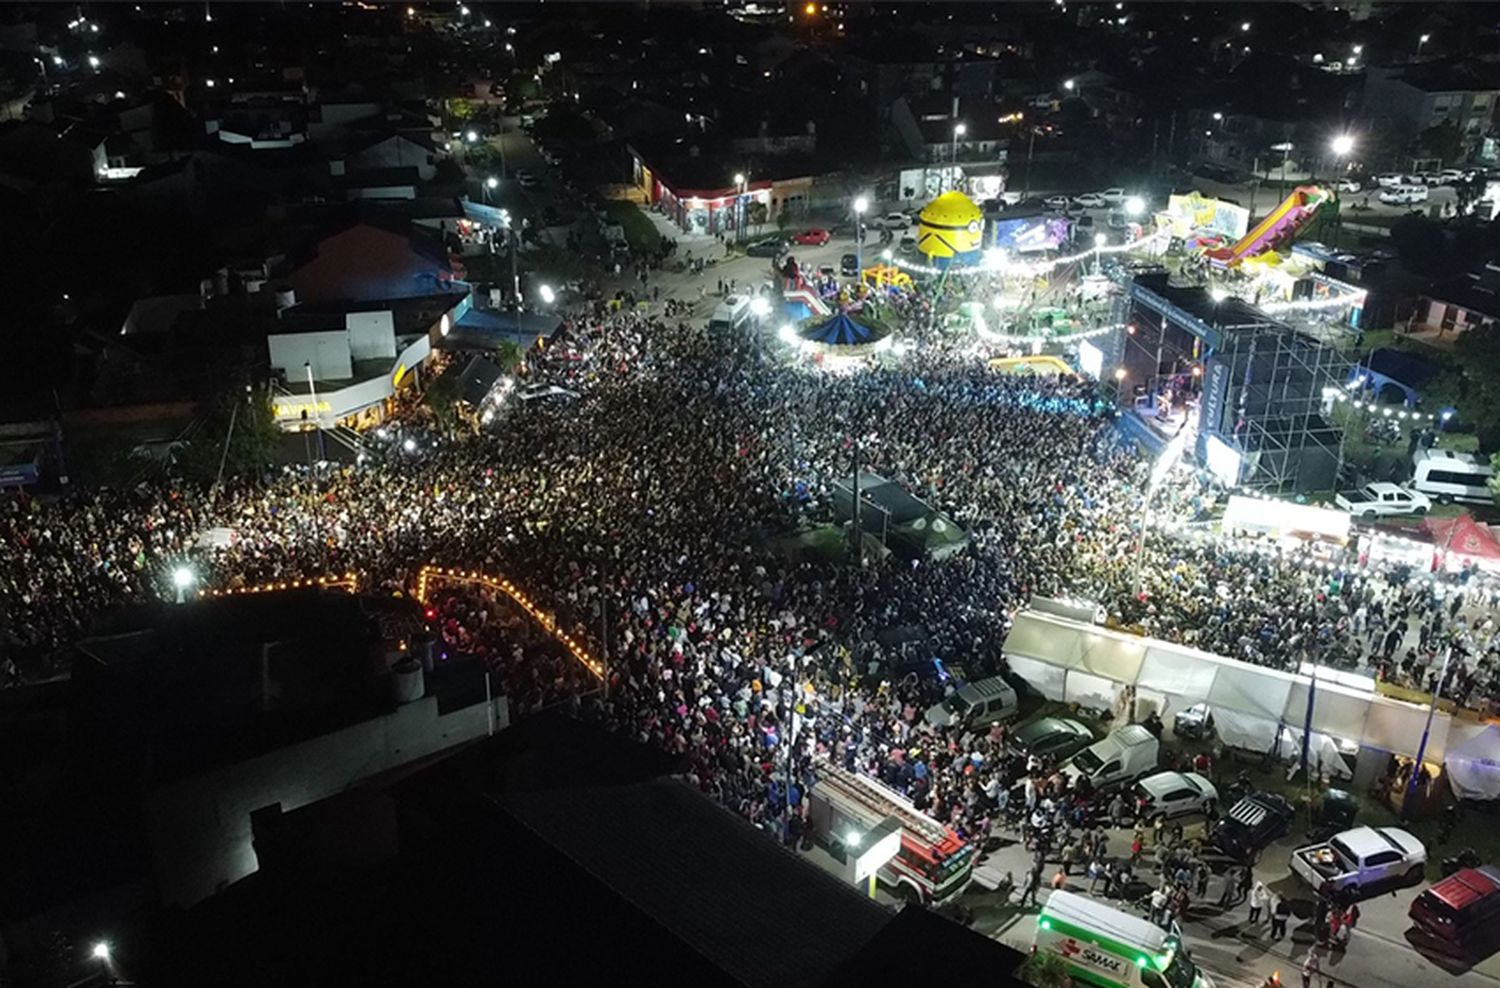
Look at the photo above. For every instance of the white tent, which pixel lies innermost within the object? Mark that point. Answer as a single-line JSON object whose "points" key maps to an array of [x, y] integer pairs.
{"points": [[1474, 760], [1086, 664]]}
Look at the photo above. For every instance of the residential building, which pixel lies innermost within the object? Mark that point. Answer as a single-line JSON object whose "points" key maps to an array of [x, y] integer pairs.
{"points": [[1414, 97], [1458, 305]]}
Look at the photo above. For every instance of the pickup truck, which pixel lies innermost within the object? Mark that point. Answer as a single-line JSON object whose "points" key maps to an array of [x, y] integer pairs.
{"points": [[1383, 498], [1358, 859]]}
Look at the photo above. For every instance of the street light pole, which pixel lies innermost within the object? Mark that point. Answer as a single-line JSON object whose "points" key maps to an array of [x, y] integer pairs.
{"points": [[515, 270], [860, 205], [1286, 151], [958, 131], [1420, 42], [740, 185], [1437, 691], [1030, 148], [317, 415]]}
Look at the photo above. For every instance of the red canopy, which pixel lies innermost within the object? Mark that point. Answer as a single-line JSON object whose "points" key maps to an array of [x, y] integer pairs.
{"points": [[1464, 536]]}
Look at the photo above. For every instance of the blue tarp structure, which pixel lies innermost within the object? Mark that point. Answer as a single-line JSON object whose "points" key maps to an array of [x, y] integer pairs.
{"points": [[841, 330]]}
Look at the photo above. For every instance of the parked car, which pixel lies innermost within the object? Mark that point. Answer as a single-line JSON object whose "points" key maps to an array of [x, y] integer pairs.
{"points": [[1382, 498], [1059, 203], [1355, 860], [1461, 913], [815, 237], [1389, 180], [849, 265], [770, 247], [1119, 758], [1113, 196], [1089, 200], [988, 701], [1171, 794], [1196, 721], [1349, 185], [526, 178], [891, 221], [1054, 737], [1449, 476], [1252, 824], [1404, 195]]}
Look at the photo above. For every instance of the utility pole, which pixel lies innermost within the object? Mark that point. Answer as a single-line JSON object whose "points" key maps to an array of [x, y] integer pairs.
{"points": [[1437, 692], [856, 546]]}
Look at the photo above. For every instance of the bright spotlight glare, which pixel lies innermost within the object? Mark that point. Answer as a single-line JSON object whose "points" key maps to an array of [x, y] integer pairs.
{"points": [[101, 951], [787, 333], [759, 307], [182, 578], [1135, 206], [548, 295]]}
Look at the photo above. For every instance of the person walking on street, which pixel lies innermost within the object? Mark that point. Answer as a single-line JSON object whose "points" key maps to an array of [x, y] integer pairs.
{"points": [[1033, 882], [1310, 969], [1243, 888], [1259, 896], [1281, 911], [1117, 810]]}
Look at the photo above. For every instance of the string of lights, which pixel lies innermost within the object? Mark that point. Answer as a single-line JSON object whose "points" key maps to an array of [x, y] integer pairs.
{"points": [[349, 583], [997, 261], [543, 618], [990, 336], [1385, 410]]}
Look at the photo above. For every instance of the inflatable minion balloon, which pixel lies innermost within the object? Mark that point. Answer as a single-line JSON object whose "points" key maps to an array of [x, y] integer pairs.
{"points": [[950, 231]]}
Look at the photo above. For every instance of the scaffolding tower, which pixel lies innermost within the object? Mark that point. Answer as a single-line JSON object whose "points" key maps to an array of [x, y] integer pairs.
{"points": [[1265, 398]]}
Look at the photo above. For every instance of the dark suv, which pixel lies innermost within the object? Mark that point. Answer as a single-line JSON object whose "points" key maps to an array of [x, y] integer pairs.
{"points": [[1051, 737], [1251, 825]]}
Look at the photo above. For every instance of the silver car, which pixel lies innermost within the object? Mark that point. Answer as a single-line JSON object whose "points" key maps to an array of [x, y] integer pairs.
{"points": [[1171, 794]]}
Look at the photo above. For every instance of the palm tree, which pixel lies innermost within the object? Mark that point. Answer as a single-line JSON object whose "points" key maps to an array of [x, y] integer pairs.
{"points": [[1046, 970]]}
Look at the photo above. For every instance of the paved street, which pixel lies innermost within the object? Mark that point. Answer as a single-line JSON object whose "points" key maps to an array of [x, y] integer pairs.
{"points": [[1223, 943]]}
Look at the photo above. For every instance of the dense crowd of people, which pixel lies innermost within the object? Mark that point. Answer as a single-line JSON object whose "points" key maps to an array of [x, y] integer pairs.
{"points": [[665, 504]]}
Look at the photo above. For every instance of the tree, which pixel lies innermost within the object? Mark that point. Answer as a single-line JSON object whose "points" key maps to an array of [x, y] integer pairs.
{"points": [[522, 86], [1419, 243], [1494, 481], [756, 214], [1469, 191], [1443, 141], [1471, 383], [442, 397], [1044, 969], [509, 355], [460, 109], [242, 418]]}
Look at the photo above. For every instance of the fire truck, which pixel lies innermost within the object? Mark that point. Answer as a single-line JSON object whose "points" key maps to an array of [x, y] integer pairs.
{"points": [[933, 865]]}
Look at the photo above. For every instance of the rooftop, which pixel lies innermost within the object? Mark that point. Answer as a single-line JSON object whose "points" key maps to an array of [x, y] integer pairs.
{"points": [[177, 690]]}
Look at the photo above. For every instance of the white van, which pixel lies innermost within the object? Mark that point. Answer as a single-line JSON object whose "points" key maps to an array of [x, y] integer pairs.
{"points": [[1404, 195], [1445, 476], [1123, 755], [732, 313], [1104, 946], [987, 701]]}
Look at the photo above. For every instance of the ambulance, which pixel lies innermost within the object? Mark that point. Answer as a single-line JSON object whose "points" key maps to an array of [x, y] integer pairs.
{"points": [[1110, 949]]}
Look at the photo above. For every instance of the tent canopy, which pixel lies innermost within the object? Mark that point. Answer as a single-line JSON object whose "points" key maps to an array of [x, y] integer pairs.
{"points": [[841, 330], [1075, 661], [1464, 536]]}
